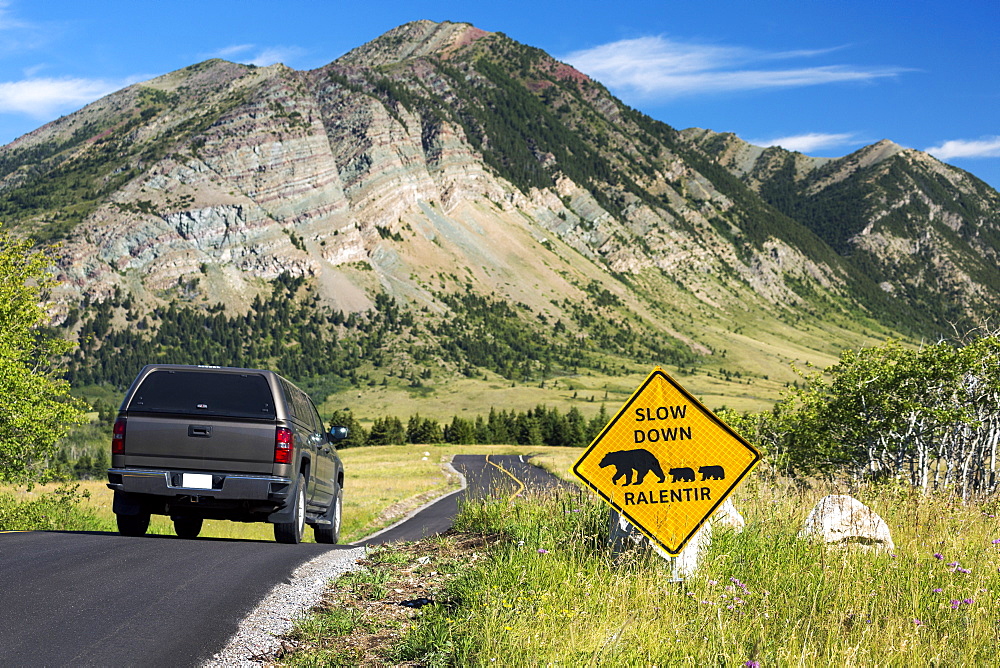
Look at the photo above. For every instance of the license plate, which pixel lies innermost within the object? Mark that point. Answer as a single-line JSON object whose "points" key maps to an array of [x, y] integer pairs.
{"points": [[196, 481]]}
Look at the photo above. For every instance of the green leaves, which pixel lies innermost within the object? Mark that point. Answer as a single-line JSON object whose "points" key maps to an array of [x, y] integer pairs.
{"points": [[928, 415], [37, 409]]}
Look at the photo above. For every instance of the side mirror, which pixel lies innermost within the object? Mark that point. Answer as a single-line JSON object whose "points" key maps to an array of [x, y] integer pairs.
{"points": [[338, 433]]}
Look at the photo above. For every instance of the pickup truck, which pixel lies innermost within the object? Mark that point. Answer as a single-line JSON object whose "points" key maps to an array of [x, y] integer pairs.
{"points": [[246, 445]]}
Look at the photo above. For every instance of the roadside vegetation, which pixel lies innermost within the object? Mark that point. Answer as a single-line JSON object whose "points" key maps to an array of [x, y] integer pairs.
{"points": [[58, 508], [36, 409], [928, 416], [535, 584]]}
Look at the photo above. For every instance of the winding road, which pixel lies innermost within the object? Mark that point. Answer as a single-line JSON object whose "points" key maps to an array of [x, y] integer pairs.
{"points": [[101, 599]]}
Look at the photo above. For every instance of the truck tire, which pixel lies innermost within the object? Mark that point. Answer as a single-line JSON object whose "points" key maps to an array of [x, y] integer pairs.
{"points": [[133, 525], [330, 533], [291, 532], [187, 527]]}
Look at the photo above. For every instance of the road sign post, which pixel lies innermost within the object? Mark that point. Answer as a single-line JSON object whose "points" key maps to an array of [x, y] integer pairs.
{"points": [[665, 462]]}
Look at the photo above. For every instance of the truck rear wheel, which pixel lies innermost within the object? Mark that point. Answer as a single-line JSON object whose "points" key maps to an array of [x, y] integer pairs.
{"points": [[291, 532], [330, 533], [133, 525], [187, 527]]}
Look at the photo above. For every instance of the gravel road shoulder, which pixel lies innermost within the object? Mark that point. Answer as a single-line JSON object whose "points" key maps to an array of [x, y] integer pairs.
{"points": [[257, 637]]}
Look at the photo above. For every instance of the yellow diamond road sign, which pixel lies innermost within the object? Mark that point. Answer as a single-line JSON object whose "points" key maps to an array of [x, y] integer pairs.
{"points": [[666, 462]]}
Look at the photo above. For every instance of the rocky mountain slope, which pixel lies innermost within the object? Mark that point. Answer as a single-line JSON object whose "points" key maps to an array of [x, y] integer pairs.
{"points": [[452, 172]]}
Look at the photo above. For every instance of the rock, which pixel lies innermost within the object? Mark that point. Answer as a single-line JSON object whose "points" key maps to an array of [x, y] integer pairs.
{"points": [[687, 561], [622, 536], [728, 516], [841, 519]]}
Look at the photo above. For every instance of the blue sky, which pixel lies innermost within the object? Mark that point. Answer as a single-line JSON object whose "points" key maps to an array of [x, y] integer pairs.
{"points": [[824, 78]]}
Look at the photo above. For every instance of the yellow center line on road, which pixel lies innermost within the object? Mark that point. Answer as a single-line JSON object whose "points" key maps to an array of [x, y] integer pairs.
{"points": [[512, 477]]}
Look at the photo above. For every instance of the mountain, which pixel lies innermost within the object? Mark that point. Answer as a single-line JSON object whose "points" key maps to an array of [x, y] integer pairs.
{"points": [[447, 215], [926, 233]]}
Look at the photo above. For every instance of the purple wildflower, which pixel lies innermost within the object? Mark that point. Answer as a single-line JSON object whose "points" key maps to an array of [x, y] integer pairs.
{"points": [[752, 664], [996, 541], [938, 556], [937, 591], [918, 622], [952, 564], [542, 550], [955, 603], [963, 570], [968, 601]]}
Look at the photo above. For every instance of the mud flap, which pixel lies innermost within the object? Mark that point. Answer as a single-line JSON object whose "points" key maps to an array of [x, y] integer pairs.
{"points": [[328, 515], [285, 513]]}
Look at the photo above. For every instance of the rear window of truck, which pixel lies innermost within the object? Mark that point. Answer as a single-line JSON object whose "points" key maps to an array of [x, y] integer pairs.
{"points": [[204, 393]]}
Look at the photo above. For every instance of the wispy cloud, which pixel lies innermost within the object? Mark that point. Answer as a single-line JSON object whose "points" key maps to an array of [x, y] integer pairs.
{"points": [[810, 142], [985, 147], [18, 35], [276, 54], [262, 56], [7, 20], [662, 67], [45, 97], [232, 51]]}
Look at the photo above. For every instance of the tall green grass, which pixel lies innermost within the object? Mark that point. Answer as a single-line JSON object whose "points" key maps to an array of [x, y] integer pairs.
{"points": [[59, 509], [552, 594]]}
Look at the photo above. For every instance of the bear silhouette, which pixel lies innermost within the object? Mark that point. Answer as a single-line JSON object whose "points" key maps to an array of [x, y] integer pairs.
{"points": [[712, 473], [682, 474], [639, 460]]}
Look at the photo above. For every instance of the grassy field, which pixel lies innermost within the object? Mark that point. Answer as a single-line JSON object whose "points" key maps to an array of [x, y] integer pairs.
{"points": [[382, 485], [539, 588], [762, 349]]}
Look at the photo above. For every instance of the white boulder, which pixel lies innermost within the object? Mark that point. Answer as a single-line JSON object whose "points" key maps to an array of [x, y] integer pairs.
{"points": [[842, 519], [727, 516], [622, 535]]}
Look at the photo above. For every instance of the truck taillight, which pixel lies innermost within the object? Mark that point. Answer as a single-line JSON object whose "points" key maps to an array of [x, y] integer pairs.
{"points": [[284, 442], [118, 437]]}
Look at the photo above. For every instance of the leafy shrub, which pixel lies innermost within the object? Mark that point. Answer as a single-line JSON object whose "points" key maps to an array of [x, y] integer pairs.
{"points": [[58, 510]]}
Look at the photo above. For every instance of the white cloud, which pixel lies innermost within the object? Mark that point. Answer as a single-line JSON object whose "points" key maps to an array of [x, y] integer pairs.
{"points": [[809, 142], [21, 35], [45, 97], [985, 147], [230, 51], [7, 20], [276, 54], [658, 66], [251, 54]]}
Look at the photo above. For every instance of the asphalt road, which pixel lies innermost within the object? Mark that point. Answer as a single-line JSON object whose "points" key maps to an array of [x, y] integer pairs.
{"points": [[485, 475], [100, 599]]}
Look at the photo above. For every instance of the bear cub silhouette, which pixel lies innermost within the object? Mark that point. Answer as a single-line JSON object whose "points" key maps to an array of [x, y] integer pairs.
{"points": [[712, 473], [625, 461], [683, 474]]}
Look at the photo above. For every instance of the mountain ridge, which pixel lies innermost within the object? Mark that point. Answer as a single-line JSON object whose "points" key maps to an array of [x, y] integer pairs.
{"points": [[441, 159]]}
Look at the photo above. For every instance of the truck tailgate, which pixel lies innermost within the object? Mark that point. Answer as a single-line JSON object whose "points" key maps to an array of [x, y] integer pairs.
{"points": [[200, 444]]}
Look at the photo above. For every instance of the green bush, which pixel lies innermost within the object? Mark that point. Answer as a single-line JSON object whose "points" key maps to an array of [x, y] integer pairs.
{"points": [[54, 511]]}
